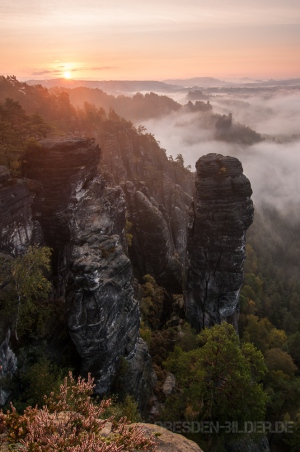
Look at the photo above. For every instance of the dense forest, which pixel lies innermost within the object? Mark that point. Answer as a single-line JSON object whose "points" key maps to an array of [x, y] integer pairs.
{"points": [[263, 381]]}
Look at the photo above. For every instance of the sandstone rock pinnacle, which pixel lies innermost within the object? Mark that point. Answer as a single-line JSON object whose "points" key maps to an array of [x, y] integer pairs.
{"points": [[221, 213]]}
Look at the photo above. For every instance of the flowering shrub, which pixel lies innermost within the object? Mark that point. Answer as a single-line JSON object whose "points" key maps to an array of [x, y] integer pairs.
{"points": [[72, 422]]}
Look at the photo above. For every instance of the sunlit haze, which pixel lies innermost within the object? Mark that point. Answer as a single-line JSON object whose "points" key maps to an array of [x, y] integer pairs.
{"points": [[96, 39]]}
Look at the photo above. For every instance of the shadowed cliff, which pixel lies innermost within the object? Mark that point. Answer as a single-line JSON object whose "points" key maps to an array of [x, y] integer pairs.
{"points": [[66, 204], [83, 221], [221, 213]]}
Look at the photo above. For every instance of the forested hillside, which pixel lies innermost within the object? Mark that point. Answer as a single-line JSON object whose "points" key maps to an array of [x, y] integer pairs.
{"points": [[149, 215]]}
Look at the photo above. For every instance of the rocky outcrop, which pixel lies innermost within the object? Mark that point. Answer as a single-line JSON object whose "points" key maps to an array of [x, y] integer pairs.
{"points": [[153, 250], [167, 441], [62, 167], [8, 367], [220, 215], [83, 221], [249, 444], [17, 228], [169, 384], [158, 195], [138, 377]]}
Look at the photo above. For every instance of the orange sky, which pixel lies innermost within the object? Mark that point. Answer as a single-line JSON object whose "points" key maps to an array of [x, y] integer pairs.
{"points": [[117, 39]]}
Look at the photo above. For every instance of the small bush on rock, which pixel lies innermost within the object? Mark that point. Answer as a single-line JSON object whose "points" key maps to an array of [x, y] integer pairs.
{"points": [[71, 421]]}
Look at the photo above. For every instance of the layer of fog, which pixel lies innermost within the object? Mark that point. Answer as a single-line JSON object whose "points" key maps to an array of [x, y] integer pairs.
{"points": [[277, 114], [272, 167]]}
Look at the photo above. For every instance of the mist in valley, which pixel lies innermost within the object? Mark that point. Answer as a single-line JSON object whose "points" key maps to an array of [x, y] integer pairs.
{"points": [[272, 165]]}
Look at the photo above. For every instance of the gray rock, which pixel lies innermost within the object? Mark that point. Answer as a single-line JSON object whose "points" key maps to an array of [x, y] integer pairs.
{"points": [[169, 384], [8, 367], [138, 378], [167, 441], [220, 215], [158, 194], [103, 316], [249, 444], [4, 174], [83, 221], [18, 229], [153, 250]]}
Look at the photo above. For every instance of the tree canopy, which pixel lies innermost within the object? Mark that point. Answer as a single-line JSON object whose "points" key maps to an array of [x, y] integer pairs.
{"points": [[220, 380]]}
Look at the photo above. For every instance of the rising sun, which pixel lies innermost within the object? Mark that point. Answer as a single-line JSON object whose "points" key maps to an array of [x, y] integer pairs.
{"points": [[67, 74]]}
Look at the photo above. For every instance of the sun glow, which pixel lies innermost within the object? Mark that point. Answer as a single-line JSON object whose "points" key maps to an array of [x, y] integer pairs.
{"points": [[67, 74]]}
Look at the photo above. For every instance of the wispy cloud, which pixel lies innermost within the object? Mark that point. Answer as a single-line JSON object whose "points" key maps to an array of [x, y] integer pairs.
{"points": [[102, 68], [64, 67], [46, 72]]}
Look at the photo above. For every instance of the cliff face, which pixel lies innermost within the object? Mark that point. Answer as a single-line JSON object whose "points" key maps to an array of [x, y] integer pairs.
{"points": [[17, 228], [64, 203], [8, 366], [158, 196], [83, 221], [220, 215], [153, 250]]}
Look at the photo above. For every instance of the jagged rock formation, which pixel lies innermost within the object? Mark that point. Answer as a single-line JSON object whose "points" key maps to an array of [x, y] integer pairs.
{"points": [[221, 213], [169, 384], [83, 221], [158, 195], [8, 366], [17, 229], [153, 250], [249, 444], [64, 203]]}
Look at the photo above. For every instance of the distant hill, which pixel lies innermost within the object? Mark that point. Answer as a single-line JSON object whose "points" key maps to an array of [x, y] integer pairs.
{"points": [[245, 82], [110, 86], [198, 81], [208, 84]]}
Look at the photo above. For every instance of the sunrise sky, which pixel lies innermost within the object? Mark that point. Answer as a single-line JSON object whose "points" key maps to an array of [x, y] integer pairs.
{"points": [[157, 39]]}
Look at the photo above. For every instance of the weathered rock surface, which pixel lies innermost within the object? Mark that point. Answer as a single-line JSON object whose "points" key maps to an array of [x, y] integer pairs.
{"points": [[83, 221], [249, 444], [139, 378], [8, 366], [220, 215], [169, 384], [158, 196], [62, 166], [152, 245], [167, 441], [17, 228]]}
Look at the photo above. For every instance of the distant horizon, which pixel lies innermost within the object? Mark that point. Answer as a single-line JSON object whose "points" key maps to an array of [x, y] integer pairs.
{"points": [[165, 39], [163, 80]]}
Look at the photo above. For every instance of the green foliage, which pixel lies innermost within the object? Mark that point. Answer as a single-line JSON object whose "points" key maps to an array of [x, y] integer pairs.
{"points": [[292, 441], [17, 132], [128, 227], [188, 339], [262, 333], [38, 380], [145, 333], [25, 275], [127, 408], [277, 359], [293, 347], [179, 160], [270, 313], [220, 380], [152, 302]]}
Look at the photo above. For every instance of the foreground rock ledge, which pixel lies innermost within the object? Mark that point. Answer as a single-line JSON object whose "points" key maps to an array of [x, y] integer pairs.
{"points": [[221, 213], [167, 441]]}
